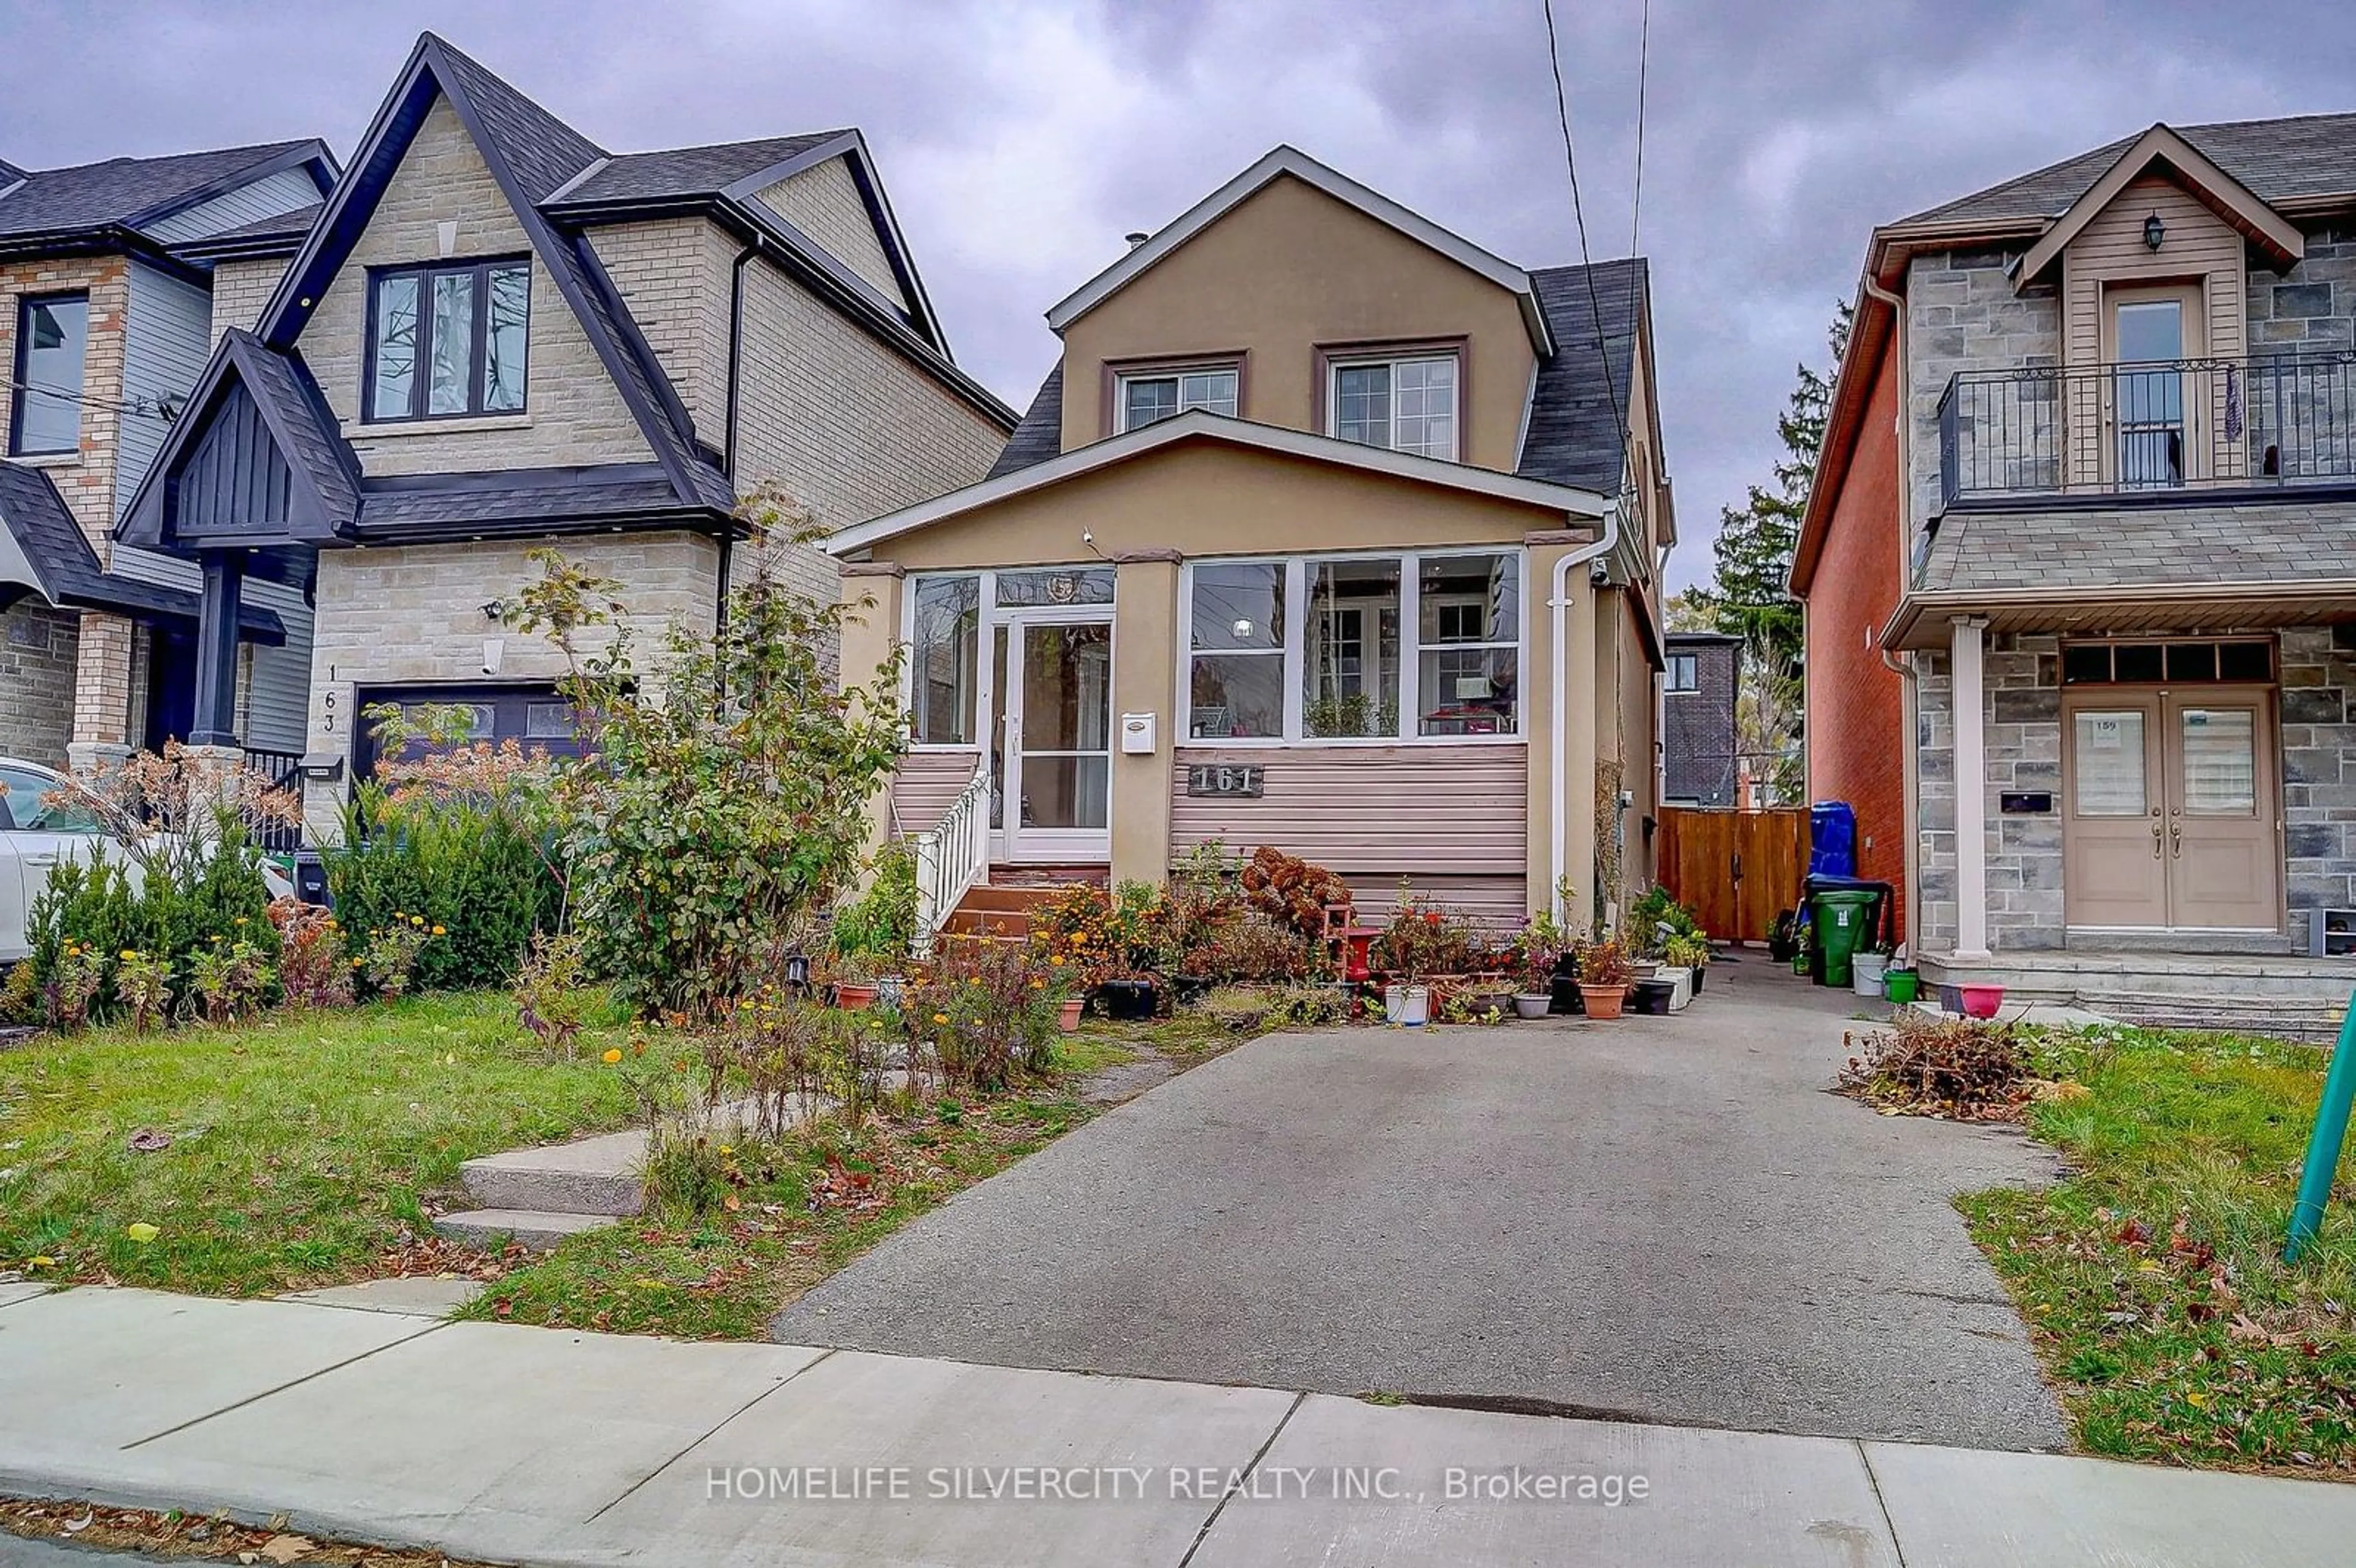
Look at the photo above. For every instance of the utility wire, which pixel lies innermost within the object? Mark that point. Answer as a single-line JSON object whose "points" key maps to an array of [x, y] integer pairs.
{"points": [[1643, 73], [1579, 212], [134, 408]]}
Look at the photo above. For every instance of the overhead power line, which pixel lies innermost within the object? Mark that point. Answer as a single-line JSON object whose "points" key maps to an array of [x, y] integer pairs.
{"points": [[1643, 73], [1579, 213]]}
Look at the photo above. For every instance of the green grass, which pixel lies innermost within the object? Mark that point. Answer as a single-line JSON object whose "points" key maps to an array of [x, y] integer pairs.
{"points": [[804, 1209], [301, 1145], [2151, 1277]]}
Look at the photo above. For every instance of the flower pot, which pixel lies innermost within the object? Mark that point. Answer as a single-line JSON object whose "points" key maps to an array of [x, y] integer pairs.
{"points": [[1865, 971], [1130, 1001], [1067, 1017], [1700, 970], [1981, 1001], [1901, 986], [1654, 996], [854, 995], [1564, 994], [1603, 1001], [1409, 1006], [1680, 980], [1646, 968], [1533, 1004]]}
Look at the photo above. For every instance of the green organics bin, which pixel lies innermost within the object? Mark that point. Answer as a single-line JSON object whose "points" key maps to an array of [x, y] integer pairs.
{"points": [[1841, 925]]}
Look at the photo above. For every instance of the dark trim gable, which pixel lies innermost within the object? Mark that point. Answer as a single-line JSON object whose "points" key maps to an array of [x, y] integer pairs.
{"points": [[314, 152], [66, 571], [431, 72]]}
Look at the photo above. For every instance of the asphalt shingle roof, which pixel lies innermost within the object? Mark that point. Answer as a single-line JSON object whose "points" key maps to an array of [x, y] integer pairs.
{"points": [[2312, 155], [1577, 435], [90, 195], [31, 509], [690, 171], [2180, 546], [542, 151]]}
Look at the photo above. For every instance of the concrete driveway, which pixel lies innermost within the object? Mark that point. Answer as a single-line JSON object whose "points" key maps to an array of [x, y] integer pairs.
{"points": [[1664, 1219]]}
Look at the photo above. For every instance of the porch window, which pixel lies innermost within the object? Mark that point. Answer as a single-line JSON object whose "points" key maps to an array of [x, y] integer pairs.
{"points": [[1236, 670], [945, 645], [52, 332], [1149, 397], [448, 342], [1390, 647], [1408, 405]]}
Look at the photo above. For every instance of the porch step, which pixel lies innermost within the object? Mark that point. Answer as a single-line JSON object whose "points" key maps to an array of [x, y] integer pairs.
{"points": [[998, 910], [2286, 996], [593, 1175], [536, 1228]]}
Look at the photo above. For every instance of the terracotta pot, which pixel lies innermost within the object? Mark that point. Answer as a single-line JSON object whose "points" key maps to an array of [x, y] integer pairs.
{"points": [[854, 996], [1603, 1001], [1068, 1017]]}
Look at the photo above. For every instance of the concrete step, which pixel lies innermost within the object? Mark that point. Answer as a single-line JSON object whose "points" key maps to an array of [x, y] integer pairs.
{"points": [[537, 1229], [591, 1175]]}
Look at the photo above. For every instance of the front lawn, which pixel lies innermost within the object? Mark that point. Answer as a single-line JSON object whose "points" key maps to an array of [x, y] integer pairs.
{"points": [[2151, 1277], [298, 1148]]}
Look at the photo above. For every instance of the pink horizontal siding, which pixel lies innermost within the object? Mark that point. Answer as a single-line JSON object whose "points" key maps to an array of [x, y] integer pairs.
{"points": [[925, 784], [1452, 821]]}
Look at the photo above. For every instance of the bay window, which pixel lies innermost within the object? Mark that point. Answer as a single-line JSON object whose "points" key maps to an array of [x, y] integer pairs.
{"points": [[1374, 647], [1405, 404]]}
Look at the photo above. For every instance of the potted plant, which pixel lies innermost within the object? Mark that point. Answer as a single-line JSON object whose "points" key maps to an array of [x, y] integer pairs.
{"points": [[1407, 1004], [1604, 976], [1538, 957], [1901, 981], [1130, 997], [854, 981], [1689, 957]]}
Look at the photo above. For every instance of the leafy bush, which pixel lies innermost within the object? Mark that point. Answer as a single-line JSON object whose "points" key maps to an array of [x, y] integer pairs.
{"points": [[1605, 964], [882, 925], [1292, 890], [314, 969], [987, 1008], [1424, 938], [1655, 918], [714, 821], [547, 991], [1261, 1009], [1251, 948]]}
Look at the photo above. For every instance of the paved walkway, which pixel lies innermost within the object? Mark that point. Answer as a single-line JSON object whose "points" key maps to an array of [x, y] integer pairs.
{"points": [[1663, 1218], [547, 1446]]}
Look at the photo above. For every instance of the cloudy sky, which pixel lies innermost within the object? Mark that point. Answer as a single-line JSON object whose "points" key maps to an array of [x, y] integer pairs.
{"points": [[1020, 139]]}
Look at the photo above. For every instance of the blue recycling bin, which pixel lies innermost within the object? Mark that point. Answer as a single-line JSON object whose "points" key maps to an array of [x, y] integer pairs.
{"points": [[1832, 839]]}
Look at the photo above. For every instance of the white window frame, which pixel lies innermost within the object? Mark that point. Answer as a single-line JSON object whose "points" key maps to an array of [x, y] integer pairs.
{"points": [[1669, 686], [988, 617], [1334, 367], [1123, 379], [1411, 650]]}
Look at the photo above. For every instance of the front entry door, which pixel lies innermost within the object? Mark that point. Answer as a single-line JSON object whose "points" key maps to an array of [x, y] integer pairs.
{"points": [[1057, 799], [2170, 819]]}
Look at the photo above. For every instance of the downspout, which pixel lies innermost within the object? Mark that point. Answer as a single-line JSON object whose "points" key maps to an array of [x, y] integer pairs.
{"points": [[1909, 753], [728, 422], [1558, 606]]}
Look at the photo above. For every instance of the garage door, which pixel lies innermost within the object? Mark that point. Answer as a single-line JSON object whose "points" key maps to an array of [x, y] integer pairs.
{"points": [[529, 713]]}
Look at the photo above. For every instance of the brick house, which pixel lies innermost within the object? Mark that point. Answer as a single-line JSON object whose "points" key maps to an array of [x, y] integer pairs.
{"points": [[111, 274], [1330, 530], [2080, 569], [1701, 763], [496, 335]]}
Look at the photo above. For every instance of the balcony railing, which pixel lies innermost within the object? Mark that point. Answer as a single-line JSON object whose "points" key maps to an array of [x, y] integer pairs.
{"points": [[2266, 421]]}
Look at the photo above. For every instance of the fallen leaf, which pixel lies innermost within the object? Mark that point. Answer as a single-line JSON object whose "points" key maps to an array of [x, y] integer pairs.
{"points": [[731, 1203], [141, 1231], [148, 1140], [287, 1548]]}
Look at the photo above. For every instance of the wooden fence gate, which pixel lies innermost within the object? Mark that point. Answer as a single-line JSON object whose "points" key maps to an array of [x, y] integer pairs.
{"points": [[1735, 870]]}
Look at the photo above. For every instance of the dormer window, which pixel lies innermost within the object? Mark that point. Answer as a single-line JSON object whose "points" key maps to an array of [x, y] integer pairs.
{"points": [[1408, 404], [448, 342], [1148, 397]]}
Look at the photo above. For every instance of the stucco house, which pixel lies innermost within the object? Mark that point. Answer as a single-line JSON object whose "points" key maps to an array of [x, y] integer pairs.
{"points": [[1329, 529], [493, 334], [111, 275], [2080, 571]]}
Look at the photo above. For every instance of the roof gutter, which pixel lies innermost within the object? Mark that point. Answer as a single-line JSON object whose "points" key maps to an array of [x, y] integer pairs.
{"points": [[728, 432]]}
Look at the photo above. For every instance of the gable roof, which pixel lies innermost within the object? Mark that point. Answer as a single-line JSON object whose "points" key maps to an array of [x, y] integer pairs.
{"points": [[1290, 161], [1197, 425], [530, 155], [66, 571], [2162, 149], [689, 171], [2304, 158], [125, 193], [1574, 436]]}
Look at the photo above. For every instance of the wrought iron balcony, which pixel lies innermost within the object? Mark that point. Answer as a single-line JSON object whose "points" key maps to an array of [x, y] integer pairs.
{"points": [[2264, 422]]}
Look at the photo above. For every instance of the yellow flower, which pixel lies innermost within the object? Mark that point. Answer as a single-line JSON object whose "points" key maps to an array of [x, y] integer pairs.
{"points": [[239, 921], [1057, 960], [130, 953], [940, 1018], [414, 920], [439, 932], [725, 1149], [1038, 984], [612, 1054], [1079, 939]]}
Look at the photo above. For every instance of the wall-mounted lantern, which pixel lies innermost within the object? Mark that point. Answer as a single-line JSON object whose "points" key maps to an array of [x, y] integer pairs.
{"points": [[2153, 231]]}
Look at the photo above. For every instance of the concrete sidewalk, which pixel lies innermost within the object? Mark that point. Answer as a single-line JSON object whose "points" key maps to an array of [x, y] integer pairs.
{"points": [[549, 1447]]}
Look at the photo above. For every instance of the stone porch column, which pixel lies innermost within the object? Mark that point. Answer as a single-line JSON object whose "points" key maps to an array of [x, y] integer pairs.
{"points": [[1971, 791], [101, 718]]}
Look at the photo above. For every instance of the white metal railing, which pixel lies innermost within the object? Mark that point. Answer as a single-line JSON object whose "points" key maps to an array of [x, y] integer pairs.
{"points": [[951, 857]]}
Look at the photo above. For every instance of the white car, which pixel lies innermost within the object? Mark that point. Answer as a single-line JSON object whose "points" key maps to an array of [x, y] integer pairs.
{"points": [[46, 819]]}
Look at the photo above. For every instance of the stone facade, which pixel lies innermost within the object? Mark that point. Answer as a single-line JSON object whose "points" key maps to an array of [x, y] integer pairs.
{"points": [[38, 649], [86, 479], [2021, 722], [2312, 306], [574, 415], [1934, 916], [1963, 313], [824, 203], [242, 288], [673, 275], [2319, 756]]}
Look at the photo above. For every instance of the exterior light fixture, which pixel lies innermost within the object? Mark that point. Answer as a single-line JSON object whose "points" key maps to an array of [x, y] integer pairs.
{"points": [[2153, 231]]}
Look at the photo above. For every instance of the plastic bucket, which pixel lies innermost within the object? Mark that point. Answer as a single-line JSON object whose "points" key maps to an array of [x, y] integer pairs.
{"points": [[1901, 986]]}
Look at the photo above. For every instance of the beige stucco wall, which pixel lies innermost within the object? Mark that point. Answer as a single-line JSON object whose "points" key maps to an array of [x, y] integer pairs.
{"points": [[413, 614], [1290, 271], [572, 413], [673, 276], [823, 202], [242, 288]]}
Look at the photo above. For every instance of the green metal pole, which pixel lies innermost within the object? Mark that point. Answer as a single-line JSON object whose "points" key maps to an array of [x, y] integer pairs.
{"points": [[2323, 1146]]}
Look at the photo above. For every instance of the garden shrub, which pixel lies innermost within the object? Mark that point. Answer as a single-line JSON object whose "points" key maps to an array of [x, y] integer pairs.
{"points": [[881, 925], [988, 1008], [1655, 918], [1424, 938], [1292, 890], [721, 806]]}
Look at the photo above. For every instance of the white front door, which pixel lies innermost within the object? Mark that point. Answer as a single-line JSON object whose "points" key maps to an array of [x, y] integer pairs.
{"points": [[1056, 787]]}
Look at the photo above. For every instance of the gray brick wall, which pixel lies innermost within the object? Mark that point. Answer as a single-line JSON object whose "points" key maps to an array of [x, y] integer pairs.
{"points": [[2312, 306], [2022, 676], [673, 275], [1933, 919], [1963, 314], [1697, 739], [2318, 741], [38, 649], [824, 203]]}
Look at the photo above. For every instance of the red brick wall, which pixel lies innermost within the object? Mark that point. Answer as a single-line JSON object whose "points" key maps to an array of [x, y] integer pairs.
{"points": [[1856, 714]]}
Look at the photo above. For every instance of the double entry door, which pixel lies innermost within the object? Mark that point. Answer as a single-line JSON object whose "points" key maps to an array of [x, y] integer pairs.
{"points": [[2171, 810], [1054, 759]]}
